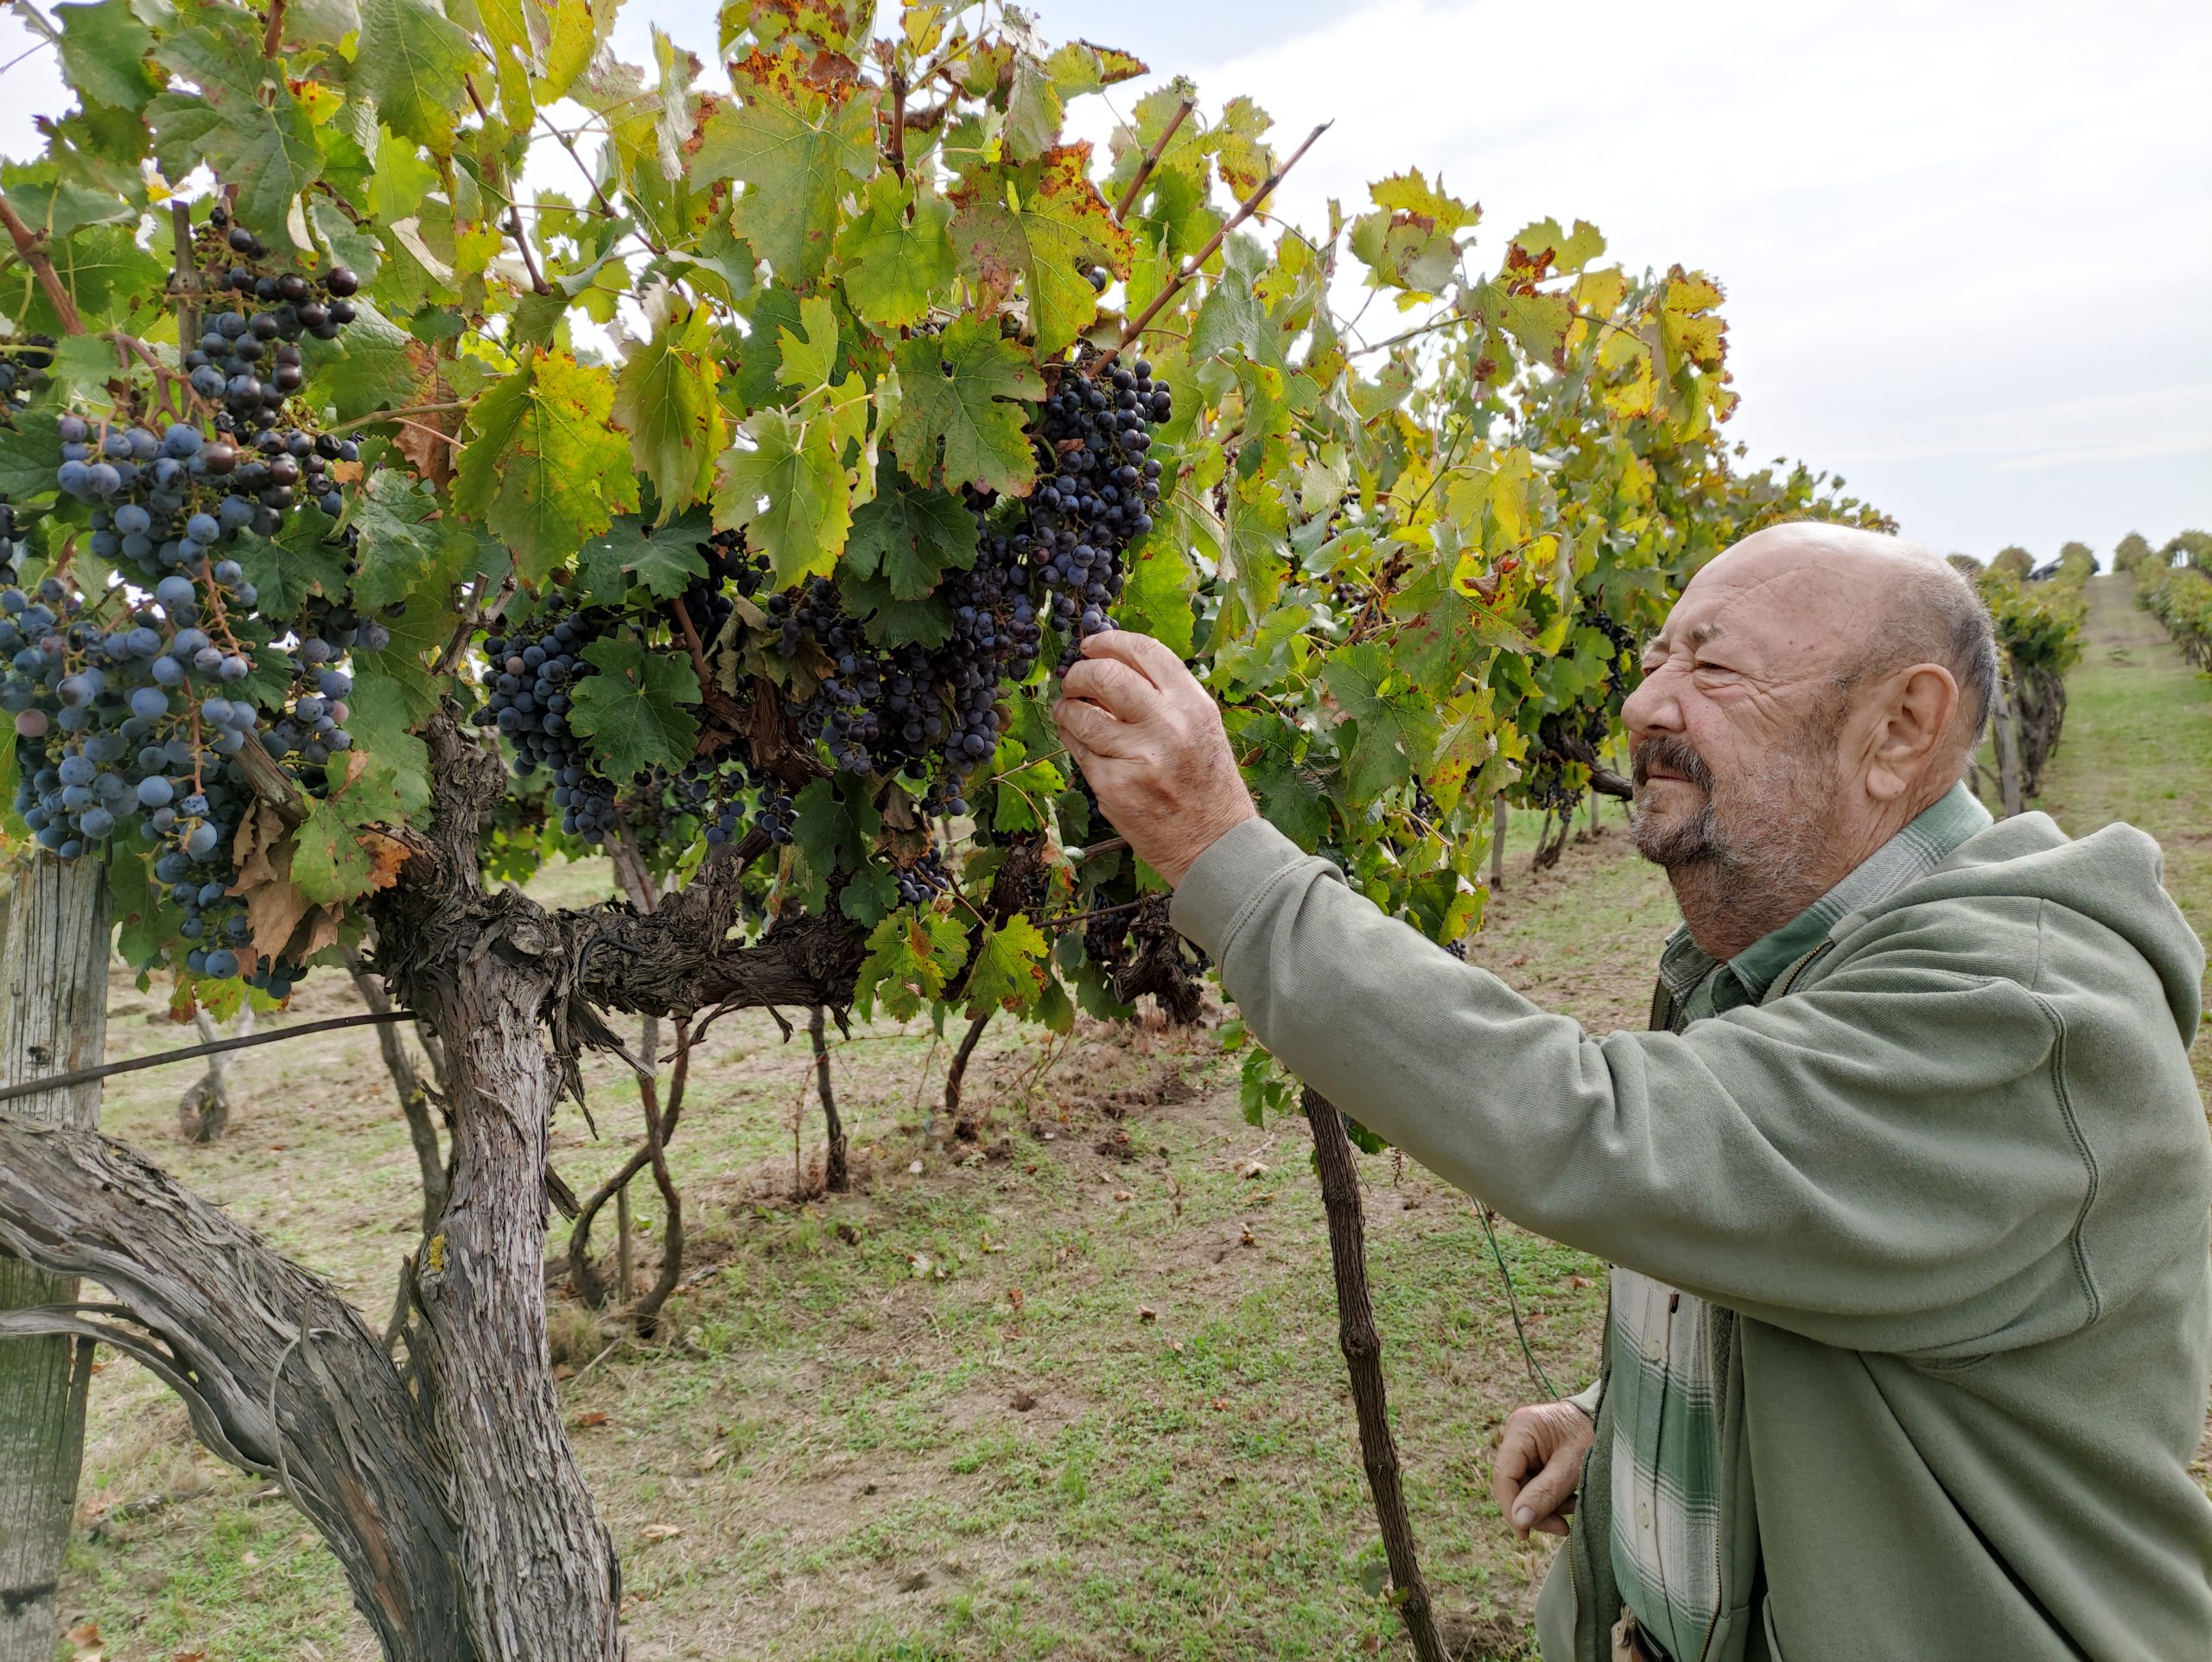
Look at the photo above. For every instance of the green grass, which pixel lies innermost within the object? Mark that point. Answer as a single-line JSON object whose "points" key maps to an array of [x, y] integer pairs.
{"points": [[1046, 1404], [2138, 747]]}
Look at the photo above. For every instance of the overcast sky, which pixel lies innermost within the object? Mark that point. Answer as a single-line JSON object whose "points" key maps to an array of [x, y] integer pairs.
{"points": [[1967, 247]]}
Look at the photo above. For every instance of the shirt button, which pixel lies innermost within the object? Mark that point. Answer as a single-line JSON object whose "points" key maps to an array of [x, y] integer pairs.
{"points": [[1652, 1347], [1643, 1516]]}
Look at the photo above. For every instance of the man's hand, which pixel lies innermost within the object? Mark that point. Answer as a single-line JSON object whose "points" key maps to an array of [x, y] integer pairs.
{"points": [[1150, 741], [1539, 1462]]}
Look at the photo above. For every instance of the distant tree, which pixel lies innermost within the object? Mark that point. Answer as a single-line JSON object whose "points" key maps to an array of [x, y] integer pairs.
{"points": [[2014, 562], [2132, 550]]}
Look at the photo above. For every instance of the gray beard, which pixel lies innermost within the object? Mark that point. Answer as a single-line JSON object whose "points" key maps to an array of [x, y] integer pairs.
{"points": [[1748, 859]]}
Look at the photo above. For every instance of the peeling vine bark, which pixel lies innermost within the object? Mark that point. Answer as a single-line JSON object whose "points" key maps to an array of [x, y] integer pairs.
{"points": [[230, 1326]]}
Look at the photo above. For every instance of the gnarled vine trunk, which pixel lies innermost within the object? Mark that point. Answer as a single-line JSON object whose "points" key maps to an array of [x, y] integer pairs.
{"points": [[456, 1507]]}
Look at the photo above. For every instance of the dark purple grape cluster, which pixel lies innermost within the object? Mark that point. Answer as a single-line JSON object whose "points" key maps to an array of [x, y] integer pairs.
{"points": [[923, 880], [1098, 495], [248, 355], [22, 369], [532, 674]]}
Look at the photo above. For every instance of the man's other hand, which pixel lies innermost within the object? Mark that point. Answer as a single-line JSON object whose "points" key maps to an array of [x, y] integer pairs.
{"points": [[1539, 1463], [1150, 741]]}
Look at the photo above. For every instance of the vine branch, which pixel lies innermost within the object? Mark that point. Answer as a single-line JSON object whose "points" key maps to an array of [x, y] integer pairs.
{"points": [[32, 247], [1151, 158], [1191, 267]]}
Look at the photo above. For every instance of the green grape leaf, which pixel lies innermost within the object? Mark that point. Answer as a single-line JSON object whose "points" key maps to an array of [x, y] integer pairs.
{"points": [[1394, 719], [664, 395], [327, 864], [413, 63], [806, 359], [242, 120], [787, 492], [912, 534], [664, 560], [795, 150], [421, 629], [833, 825], [103, 51], [911, 954], [377, 719], [1045, 224], [404, 545], [374, 364], [1156, 595], [892, 266], [30, 450], [889, 621], [1025, 797], [298, 561], [1009, 971], [545, 470], [958, 389], [633, 710], [106, 272], [757, 377]]}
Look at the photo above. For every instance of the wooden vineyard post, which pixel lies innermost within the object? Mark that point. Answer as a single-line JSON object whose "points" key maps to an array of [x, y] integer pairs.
{"points": [[2007, 744], [1497, 842], [1363, 1348], [52, 1020]]}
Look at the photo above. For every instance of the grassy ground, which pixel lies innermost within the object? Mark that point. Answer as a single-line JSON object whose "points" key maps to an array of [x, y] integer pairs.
{"points": [[1078, 1397]]}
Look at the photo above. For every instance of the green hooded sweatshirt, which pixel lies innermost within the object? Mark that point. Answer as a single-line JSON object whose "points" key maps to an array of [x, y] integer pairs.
{"points": [[1951, 1178]]}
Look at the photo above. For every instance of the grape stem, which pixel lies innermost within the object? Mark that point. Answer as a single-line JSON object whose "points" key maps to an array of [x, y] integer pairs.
{"points": [[1152, 159], [447, 408], [1191, 267], [32, 247]]}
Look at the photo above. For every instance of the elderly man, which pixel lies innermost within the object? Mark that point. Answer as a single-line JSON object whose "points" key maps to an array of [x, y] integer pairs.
{"points": [[1907, 1187]]}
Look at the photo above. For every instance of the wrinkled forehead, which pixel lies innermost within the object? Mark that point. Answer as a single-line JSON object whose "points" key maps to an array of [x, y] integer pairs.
{"points": [[1781, 614]]}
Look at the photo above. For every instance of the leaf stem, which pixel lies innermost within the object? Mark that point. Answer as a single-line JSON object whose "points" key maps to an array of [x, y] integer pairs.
{"points": [[386, 416]]}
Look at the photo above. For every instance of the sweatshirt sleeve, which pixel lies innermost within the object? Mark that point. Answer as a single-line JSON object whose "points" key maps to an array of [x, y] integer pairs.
{"points": [[1880, 1161]]}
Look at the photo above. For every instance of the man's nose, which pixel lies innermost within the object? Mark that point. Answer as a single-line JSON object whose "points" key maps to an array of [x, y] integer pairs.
{"points": [[1655, 707]]}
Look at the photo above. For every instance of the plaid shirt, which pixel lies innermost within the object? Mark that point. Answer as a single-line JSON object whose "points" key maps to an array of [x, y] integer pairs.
{"points": [[1666, 1545]]}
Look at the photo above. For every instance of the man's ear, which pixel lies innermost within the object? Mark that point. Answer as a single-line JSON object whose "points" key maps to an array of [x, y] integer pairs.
{"points": [[1912, 723]]}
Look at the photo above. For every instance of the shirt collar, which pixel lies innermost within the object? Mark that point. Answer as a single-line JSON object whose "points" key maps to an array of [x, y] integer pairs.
{"points": [[1906, 859]]}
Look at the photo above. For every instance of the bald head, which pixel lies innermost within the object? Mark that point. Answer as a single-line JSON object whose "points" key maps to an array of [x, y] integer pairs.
{"points": [[1867, 606]]}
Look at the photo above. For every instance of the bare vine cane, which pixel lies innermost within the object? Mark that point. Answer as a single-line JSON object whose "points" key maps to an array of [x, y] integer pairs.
{"points": [[1362, 1349]]}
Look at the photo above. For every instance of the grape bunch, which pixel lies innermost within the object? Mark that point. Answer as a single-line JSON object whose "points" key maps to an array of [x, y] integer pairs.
{"points": [[22, 370], [924, 880], [109, 729], [133, 701], [932, 714], [534, 673], [248, 357], [1096, 495]]}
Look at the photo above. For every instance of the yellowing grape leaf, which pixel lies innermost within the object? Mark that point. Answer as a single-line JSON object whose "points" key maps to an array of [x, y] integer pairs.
{"points": [[546, 468], [796, 149], [664, 395], [1009, 970], [1046, 224], [960, 416], [785, 488], [891, 265], [911, 954]]}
